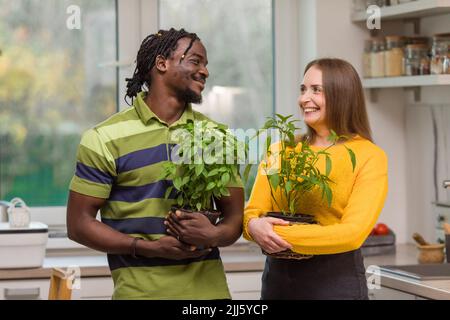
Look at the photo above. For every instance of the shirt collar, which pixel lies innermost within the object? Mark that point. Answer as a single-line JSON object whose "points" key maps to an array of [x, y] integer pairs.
{"points": [[146, 114]]}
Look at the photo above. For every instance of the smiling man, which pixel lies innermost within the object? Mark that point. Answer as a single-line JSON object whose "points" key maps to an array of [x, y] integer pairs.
{"points": [[119, 162]]}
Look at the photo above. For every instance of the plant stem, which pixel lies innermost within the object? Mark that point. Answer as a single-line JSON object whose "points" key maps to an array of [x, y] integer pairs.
{"points": [[271, 191]]}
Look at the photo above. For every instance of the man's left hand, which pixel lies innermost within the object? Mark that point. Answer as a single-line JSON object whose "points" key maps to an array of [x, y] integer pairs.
{"points": [[192, 227]]}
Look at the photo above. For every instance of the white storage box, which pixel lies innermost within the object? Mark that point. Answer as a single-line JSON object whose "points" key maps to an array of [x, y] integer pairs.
{"points": [[22, 247]]}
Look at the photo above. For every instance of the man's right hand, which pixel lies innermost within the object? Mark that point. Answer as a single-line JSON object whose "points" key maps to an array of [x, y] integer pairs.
{"points": [[170, 248]]}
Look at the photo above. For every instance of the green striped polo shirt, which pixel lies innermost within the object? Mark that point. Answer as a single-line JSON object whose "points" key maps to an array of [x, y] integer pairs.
{"points": [[121, 160]]}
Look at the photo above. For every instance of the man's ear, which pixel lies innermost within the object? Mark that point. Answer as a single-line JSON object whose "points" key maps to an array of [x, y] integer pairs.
{"points": [[161, 63]]}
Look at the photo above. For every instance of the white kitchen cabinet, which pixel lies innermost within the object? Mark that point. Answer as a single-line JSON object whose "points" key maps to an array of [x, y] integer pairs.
{"points": [[385, 293], [244, 285], [95, 288], [24, 289], [98, 288]]}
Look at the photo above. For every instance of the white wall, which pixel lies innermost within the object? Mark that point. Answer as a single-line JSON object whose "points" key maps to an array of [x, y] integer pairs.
{"points": [[326, 31], [423, 187]]}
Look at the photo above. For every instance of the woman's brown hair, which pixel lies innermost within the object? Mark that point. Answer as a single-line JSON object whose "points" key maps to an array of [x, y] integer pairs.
{"points": [[344, 97]]}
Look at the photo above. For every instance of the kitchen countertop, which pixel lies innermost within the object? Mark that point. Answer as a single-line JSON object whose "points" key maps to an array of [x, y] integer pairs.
{"points": [[242, 257], [407, 255], [237, 258]]}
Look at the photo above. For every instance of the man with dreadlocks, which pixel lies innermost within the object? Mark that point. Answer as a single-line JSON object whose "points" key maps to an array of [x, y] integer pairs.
{"points": [[118, 165]]}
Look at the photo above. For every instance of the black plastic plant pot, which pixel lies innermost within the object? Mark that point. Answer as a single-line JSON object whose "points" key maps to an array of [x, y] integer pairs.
{"points": [[213, 216], [297, 218]]}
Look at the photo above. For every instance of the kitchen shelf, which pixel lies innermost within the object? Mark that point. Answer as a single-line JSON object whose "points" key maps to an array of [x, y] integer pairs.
{"points": [[409, 81], [413, 83], [409, 10]]}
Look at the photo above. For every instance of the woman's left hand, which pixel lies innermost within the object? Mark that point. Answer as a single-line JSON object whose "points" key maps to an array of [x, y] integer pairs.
{"points": [[261, 230]]}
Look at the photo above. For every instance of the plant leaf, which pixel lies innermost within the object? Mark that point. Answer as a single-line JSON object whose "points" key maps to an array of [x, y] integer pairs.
{"points": [[329, 195], [328, 165], [288, 186], [225, 178], [168, 191], [198, 169], [177, 183], [225, 192], [268, 141], [180, 200], [210, 186], [274, 180], [352, 157], [213, 172]]}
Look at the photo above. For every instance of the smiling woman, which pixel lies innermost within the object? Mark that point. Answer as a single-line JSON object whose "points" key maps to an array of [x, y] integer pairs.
{"points": [[332, 99]]}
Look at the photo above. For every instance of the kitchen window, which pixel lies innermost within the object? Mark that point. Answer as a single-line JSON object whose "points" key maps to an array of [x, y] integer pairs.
{"points": [[238, 36], [54, 84]]}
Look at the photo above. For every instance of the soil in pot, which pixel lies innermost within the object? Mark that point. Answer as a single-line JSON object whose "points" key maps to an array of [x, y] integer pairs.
{"points": [[212, 215], [298, 218]]}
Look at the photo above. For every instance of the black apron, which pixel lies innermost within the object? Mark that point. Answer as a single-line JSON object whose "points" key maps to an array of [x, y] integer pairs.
{"points": [[322, 277]]}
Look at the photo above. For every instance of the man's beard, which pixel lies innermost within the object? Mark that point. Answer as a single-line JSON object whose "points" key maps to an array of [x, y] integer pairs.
{"points": [[189, 96]]}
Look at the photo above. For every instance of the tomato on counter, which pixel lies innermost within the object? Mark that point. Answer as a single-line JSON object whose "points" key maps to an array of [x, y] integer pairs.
{"points": [[380, 230]]}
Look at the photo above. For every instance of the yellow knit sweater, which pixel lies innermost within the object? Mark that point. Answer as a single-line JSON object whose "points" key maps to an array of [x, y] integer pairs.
{"points": [[358, 197]]}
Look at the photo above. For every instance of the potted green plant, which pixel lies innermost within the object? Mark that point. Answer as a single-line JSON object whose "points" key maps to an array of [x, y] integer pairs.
{"points": [[207, 157], [291, 170]]}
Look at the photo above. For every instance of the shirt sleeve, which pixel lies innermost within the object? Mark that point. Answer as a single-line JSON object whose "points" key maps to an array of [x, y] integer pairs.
{"points": [[360, 215], [95, 168]]}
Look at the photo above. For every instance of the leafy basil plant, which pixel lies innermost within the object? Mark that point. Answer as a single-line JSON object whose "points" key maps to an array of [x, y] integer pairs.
{"points": [[205, 160]]}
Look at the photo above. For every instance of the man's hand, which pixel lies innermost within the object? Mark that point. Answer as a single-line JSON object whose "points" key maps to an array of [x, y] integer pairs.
{"points": [[193, 228], [261, 230], [170, 248]]}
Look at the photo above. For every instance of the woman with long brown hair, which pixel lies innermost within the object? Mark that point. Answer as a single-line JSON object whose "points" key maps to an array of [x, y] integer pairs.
{"points": [[331, 98]]}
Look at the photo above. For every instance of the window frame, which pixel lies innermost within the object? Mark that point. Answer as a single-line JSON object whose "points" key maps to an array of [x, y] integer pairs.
{"points": [[138, 18]]}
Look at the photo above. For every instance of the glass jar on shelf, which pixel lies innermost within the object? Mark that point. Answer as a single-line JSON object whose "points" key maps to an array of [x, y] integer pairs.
{"points": [[416, 60], [440, 54], [367, 56], [377, 58], [394, 56]]}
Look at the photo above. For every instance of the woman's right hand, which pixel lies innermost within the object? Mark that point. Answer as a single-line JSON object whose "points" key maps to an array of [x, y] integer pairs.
{"points": [[261, 230]]}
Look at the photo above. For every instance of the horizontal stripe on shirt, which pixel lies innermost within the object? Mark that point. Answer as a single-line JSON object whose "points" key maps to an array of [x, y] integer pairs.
{"points": [[117, 261], [142, 158], [92, 174], [139, 193], [147, 225]]}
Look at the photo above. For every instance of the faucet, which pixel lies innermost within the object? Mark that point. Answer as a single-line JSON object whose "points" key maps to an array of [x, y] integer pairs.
{"points": [[446, 184]]}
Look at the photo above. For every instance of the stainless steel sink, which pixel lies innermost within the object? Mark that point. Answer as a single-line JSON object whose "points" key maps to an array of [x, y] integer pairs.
{"points": [[420, 272]]}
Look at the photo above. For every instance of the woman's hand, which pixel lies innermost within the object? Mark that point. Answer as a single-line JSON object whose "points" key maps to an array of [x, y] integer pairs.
{"points": [[261, 230]]}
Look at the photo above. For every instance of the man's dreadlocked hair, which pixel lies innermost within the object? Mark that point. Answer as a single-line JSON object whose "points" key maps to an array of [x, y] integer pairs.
{"points": [[161, 43]]}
